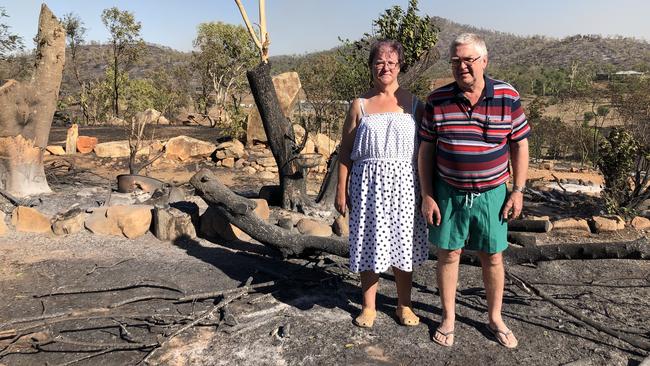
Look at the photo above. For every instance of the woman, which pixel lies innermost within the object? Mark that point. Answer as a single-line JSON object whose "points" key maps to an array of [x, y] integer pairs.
{"points": [[378, 159]]}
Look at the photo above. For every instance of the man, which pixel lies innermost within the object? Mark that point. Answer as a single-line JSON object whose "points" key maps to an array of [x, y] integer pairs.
{"points": [[470, 130]]}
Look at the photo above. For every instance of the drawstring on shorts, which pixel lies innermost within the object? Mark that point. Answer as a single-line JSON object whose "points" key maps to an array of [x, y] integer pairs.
{"points": [[469, 197]]}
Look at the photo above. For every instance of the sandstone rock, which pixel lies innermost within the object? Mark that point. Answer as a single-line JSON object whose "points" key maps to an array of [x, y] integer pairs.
{"points": [[30, 220], [184, 147], [213, 224], [228, 162], [310, 147], [69, 223], [86, 144], [298, 132], [134, 220], [313, 227], [267, 175], [71, 140], [114, 121], [240, 163], [605, 224], [249, 170], [571, 224], [341, 226], [149, 116], [233, 148], [640, 223], [162, 120], [171, 223], [220, 155], [266, 162], [55, 150], [324, 145], [98, 223], [287, 86], [113, 149], [548, 165], [272, 169], [3, 224]]}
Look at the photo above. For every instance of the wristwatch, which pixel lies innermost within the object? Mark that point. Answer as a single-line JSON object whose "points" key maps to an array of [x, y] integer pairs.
{"points": [[516, 188]]}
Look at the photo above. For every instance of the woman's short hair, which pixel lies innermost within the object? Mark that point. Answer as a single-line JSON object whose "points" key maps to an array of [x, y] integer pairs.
{"points": [[469, 38], [390, 43]]}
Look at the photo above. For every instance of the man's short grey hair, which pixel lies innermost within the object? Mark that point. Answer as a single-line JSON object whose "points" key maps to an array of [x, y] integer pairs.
{"points": [[469, 38]]}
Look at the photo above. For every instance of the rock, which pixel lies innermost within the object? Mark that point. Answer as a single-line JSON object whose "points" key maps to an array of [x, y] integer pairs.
{"points": [[30, 220], [86, 144], [134, 220], [239, 163], [249, 170], [184, 147], [114, 149], [267, 175], [324, 145], [287, 86], [310, 147], [149, 116], [114, 121], [571, 224], [69, 223], [55, 150], [233, 148], [606, 224], [640, 223], [71, 139], [171, 223], [266, 162], [341, 226], [3, 224], [313, 227], [286, 223], [213, 224], [548, 165], [298, 132], [98, 223], [228, 162]]}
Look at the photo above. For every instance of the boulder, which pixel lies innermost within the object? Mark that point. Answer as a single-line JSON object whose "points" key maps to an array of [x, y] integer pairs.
{"points": [[113, 149], [69, 223], [547, 165], [86, 144], [98, 223], [266, 161], [149, 116], [71, 139], [3, 224], [228, 163], [267, 175], [571, 224], [341, 226], [298, 132], [249, 170], [233, 148], [213, 224], [603, 224], [184, 147], [114, 121], [55, 150], [324, 145], [313, 227], [134, 221], [30, 220], [640, 223], [171, 223], [287, 86]]}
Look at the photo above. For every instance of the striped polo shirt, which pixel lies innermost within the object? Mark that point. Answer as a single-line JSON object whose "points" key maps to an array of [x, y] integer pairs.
{"points": [[472, 144]]}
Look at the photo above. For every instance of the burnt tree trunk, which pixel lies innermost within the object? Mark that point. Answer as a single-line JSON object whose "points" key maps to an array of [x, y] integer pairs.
{"points": [[293, 183], [239, 212], [26, 111]]}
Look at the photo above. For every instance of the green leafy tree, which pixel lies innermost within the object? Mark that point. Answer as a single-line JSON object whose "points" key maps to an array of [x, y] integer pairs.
{"points": [[8, 41], [127, 45], [223, 54]]}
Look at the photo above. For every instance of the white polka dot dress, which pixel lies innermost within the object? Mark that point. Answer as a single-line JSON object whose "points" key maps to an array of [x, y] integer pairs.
{"points": [[386, 227]]}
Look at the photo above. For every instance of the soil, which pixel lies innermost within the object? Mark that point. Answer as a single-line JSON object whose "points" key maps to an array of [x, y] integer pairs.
{"points": [[306, 317]]}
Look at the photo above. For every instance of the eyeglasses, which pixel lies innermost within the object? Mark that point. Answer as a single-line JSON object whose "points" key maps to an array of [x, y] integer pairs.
{"points": [[468, 61], [379, 65]]}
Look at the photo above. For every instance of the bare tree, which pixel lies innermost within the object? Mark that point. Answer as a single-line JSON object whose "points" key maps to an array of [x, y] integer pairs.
{"points": [[26, 111]]}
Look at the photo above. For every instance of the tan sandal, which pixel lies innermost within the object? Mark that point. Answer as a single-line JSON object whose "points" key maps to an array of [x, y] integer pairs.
{"points": [[366, 319], [503, 337], [449, 338], [406, 316]]}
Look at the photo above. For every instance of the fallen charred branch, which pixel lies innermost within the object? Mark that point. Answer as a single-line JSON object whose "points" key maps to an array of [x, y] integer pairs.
{"points": [[238, 211]]}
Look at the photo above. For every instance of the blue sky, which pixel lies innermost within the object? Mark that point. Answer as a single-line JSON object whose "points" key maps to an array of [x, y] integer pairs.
{"points": [[300, 26]]}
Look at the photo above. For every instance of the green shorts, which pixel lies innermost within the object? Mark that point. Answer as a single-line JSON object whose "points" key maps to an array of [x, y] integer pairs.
{"points": [[470, 220]]}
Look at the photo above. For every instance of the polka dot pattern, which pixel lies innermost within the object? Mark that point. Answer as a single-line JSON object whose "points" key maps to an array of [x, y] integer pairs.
{"points": [[386, 227]]}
